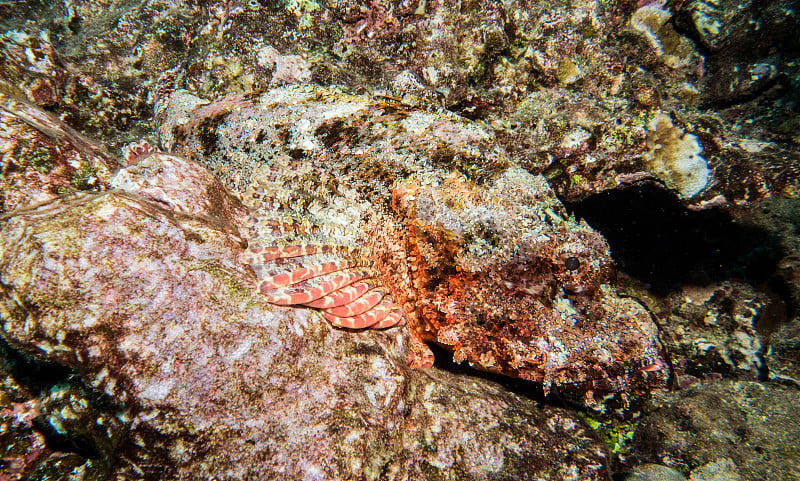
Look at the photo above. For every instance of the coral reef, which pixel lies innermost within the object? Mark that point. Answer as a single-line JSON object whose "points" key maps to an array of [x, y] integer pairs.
{"points": [[599, 70], [783, 356], [674, 157], [673, 50], [373, 22]]}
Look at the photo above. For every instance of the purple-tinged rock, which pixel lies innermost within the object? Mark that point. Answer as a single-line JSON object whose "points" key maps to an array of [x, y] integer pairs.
{"points": [[42, 158]]}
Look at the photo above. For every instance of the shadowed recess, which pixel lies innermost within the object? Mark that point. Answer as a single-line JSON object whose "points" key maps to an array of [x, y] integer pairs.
{"points": [[528, 389], [655, 239], [35, 375], [39, 377]]}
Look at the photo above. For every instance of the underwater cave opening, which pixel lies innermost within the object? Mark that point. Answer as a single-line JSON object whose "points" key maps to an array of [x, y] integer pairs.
{"points": [[657, 240]]}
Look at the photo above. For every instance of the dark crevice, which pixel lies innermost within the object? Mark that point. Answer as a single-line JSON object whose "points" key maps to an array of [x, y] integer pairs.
{"points": [[39, 377], [657, 240], [64, 443], [564, 396], [36, 376], [528, 389]]}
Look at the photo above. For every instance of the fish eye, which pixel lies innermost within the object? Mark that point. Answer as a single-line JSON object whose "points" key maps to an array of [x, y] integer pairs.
{"points": [[572, 263]]}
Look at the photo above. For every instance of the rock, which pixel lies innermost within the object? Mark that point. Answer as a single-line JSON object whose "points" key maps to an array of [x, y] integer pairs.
{"points": [[721, 470], [747, 44], [141, 295], [42, 157], [755, 425], [90, 85], [569, 91], [711, 331], [779, 323], [654, 472], [27, 452], [781, 216], [783, 354]]}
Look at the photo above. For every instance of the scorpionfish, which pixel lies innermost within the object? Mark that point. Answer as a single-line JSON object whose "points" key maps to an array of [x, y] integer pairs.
{"points": [[379, 214]]}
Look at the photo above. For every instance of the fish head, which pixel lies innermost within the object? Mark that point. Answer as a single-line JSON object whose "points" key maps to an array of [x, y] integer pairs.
{"points": [[509, 282]]}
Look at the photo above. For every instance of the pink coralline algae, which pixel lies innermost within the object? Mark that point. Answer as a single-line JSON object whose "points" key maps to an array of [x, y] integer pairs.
{"points": [[375, 22], [133, 151], [37, 165], [377, 213], [286, 68]]}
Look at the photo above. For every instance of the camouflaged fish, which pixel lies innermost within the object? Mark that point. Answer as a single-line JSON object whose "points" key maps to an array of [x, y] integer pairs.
{"points": [[377, 215]]}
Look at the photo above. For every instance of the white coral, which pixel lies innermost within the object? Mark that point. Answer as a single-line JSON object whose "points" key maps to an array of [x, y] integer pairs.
{"points": [[674, 157]]}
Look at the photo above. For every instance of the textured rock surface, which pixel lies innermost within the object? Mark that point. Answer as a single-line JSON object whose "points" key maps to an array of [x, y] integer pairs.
{"points": [[753, 425], [42, 158], [783, 356], [570, 87], [23, 448], [748, 45], [655, 472], [781, 217], [712, 331]]}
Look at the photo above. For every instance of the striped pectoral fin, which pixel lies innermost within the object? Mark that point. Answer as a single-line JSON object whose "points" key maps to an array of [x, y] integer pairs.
{"points": [[345, 295], [323, 277], [358, 306], [277, 272], [276, 278], [361, 321], [269, 253], [394, 318], [309, 290]]}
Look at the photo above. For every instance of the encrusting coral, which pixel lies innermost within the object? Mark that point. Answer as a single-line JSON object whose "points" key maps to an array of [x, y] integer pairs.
{"points": [[674, 157]]}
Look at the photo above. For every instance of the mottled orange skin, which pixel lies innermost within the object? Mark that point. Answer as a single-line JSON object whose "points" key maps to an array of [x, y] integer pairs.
{"points": [[498, 327]]}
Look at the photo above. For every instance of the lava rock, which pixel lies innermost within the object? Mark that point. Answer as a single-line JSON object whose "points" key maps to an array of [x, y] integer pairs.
{"points": [[711, 331], [655, 472], [747, 44], [43, 158], [753, 424], [783, 356]]}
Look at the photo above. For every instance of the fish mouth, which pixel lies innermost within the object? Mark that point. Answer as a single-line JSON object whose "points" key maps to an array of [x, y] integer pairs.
{"points": [[578, 342]]}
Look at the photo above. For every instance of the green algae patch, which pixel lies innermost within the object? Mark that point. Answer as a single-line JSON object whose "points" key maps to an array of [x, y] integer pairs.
{"points": [[230, 281], [617, 436], [82, 178], [40, 159]]}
